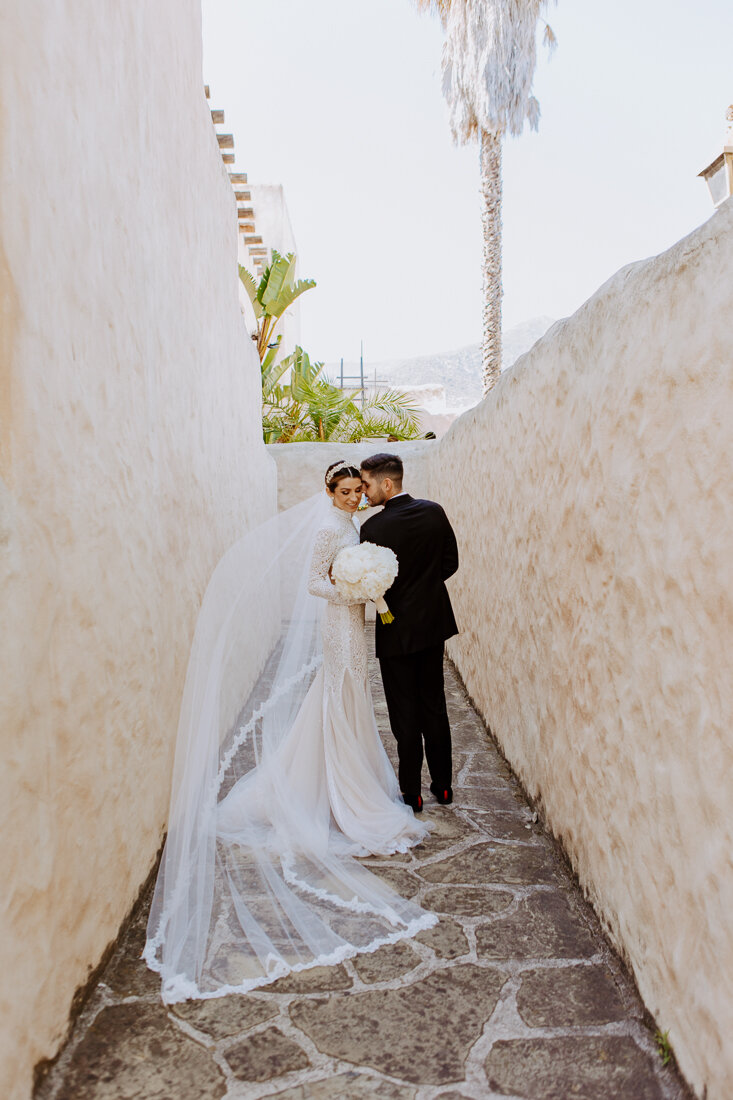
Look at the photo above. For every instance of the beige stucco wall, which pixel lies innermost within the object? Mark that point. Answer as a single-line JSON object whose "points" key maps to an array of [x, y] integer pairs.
{"points": [[592, 495], [130, 459]]}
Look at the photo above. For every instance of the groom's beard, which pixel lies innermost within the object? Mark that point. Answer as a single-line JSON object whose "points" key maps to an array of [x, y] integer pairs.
{"points": [[378, 497]]}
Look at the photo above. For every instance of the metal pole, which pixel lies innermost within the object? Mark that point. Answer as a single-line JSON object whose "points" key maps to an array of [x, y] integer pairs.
{"points": [[361, 372]]}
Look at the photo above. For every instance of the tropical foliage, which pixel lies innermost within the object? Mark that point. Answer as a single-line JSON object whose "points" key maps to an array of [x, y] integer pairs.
{"points": [[270, 298], [310, 408], [489, 60], [299, 404]]}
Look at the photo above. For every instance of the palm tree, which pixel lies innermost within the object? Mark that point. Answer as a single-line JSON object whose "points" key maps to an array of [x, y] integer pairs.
{"points": [[489, 60], [312, 409]]}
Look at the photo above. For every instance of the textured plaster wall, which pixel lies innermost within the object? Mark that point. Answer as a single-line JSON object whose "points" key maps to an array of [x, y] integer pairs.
{"points": [[130, 458], [593, 503]]}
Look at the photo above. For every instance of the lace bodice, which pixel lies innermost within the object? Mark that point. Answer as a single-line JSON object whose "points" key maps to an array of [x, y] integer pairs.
{"points": [[344, 644], [339, 533]]}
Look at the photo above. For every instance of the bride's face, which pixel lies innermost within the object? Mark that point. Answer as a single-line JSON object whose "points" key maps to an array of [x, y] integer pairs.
{"points": [[347, 494]]}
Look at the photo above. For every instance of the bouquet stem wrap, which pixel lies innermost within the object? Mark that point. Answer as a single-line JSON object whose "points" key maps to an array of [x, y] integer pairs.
{"points": [[384, 612]]}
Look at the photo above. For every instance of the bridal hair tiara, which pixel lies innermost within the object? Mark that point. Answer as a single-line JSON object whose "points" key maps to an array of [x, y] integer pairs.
{"points": [[333, 470]]}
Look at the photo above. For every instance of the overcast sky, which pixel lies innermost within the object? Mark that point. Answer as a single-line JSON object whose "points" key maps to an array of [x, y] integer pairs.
{"points": [[340, 101]]}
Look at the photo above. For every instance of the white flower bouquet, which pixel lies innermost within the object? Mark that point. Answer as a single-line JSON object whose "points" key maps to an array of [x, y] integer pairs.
{"points": [[365, 572]]}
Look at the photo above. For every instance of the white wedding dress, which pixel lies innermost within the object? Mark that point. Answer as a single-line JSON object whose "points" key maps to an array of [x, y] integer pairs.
{"points": [[259, 875], [331, 771]]}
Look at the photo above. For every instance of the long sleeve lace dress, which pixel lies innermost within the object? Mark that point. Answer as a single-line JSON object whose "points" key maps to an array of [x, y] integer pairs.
{"points": [[262, 881], [331, 769]]}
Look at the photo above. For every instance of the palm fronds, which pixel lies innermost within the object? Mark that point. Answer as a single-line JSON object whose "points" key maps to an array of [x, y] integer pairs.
{"points": [[298, 403], [272, 296], [489, 61], [310, 408]]}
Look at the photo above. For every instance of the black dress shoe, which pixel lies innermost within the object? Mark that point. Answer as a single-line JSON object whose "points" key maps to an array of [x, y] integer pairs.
{"points": [[444, 795], [413, 800]]}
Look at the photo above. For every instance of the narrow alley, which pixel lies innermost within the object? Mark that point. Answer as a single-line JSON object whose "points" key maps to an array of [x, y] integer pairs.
{"points": [[515, 993]]}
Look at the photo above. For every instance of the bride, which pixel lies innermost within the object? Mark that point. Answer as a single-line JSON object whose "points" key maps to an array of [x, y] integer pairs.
{"points": [[280, 776]]}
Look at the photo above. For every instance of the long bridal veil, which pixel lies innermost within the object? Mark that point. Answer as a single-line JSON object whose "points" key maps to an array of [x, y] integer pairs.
{"points": [[234, 911]]}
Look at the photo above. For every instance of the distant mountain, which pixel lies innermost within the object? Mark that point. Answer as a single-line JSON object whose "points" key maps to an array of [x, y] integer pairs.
{"points": [[458, 371]]}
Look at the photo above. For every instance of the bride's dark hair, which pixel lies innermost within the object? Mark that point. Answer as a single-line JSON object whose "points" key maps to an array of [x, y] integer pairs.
{"points": [[337, 471]]}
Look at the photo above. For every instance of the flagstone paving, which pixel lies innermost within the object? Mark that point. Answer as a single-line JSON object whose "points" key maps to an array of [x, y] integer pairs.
{"points": [[514, 993]]}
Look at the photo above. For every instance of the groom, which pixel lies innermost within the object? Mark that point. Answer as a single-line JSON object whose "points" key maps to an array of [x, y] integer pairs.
{"points": [[410, 649]]}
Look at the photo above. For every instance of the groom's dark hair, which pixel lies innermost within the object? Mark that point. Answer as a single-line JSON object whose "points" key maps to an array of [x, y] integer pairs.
{"points": [[384, 465]]}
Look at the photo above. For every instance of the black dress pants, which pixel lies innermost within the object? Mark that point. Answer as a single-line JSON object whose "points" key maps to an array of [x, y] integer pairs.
{"points": [[415, 694]]}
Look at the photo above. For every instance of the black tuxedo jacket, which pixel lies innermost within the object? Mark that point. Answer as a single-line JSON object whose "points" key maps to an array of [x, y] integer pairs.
{"points": [[421, 536]]}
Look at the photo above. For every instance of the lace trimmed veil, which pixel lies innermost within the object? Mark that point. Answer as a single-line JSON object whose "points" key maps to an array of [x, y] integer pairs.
{"points": [[231, 915]]}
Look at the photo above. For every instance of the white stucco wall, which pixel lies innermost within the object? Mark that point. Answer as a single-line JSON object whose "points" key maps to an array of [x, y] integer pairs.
{"points": [[272, 217], [592, 495], [130, 458]]}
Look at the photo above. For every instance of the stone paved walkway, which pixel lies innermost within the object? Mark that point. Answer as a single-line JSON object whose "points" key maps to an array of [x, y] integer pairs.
{"points": [[515, 993]]}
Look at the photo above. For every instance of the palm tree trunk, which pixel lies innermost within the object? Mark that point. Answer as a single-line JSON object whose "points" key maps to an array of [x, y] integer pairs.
{"points": [[490, 144]]}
